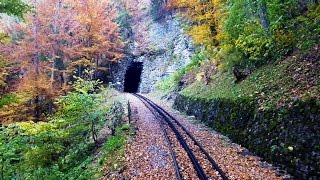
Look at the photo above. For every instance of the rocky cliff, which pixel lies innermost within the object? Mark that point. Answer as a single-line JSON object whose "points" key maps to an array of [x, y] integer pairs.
{"points": [[168, 49]]}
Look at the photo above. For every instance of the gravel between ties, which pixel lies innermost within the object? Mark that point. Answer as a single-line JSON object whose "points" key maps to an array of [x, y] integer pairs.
{"points": [[147, 154]]}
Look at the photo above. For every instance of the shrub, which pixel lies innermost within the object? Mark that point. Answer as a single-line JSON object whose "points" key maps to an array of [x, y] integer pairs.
{"points": [[308, 31], [54, 149], [172, 82], [7, 99]]}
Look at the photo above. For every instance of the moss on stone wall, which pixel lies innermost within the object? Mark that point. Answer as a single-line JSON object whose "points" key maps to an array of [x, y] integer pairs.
{"points": [[288, 136]]}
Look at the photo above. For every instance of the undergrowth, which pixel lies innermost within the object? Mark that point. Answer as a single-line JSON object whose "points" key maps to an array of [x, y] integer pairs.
{"points": [[172, 83], [62, 147], [114, 149], [271, 85], [110, 156], [7, 99]]}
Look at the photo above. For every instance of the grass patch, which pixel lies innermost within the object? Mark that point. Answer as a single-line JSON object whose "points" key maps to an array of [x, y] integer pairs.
{"points": [[172, 83], [114, 148], [109, 158]]}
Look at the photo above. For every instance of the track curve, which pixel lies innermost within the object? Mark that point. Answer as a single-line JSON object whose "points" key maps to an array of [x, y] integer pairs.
{"points": [[166, 118]]}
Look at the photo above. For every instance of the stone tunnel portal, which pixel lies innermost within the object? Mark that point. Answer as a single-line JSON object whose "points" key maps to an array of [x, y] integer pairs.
{"points": [[133, 77]]}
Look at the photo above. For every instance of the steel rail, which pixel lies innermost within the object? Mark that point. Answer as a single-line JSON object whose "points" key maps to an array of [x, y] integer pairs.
{"points": [[213, 163], [199, 170], [165, 134]]}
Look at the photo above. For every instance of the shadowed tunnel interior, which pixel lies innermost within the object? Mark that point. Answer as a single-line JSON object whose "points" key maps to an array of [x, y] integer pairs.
{"points": [[133, 77]]}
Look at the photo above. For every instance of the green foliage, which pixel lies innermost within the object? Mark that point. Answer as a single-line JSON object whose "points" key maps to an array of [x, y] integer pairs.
{"points": [[14, 7], [60, 147], [290, 27], [229, 56], [124, 20], [255, 47], [80, 106], [309, 30], [7, 99], [115, 148], [114, 143], [172, 82]]}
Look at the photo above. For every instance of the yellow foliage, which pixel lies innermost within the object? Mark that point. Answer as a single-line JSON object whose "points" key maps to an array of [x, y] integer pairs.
{"points": [[4, 38], [285, 38], [200, 76], [17, 111], [31, 128], [3, 72], [201, 35], [209, 17]]}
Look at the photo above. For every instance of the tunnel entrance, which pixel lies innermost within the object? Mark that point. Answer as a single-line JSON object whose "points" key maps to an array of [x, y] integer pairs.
{"points": [[133, 77]]}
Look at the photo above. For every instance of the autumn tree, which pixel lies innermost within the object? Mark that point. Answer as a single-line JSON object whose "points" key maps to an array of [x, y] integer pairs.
{"points": [[59, 22], [98, 36], [61, 33]]}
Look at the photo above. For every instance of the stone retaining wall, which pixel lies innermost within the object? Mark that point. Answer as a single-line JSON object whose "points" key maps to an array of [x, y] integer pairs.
{"points": [[287, 136]]}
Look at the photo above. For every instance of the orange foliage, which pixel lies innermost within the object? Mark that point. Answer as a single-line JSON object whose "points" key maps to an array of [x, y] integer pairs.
{"points": [[81, 34], [97, 33]]}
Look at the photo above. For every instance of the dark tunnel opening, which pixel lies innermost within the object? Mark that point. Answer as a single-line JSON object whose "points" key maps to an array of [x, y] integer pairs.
{"points": [[133, 77]]}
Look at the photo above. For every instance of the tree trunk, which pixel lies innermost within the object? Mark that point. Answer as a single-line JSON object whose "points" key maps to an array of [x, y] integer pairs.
{"points": [[94, 134], [35, 42], [52, 71], [36, 62], [79, 70], [61, 79], [56, 39], [96, 68], [37, 108], [129, 112], [64, 76]]}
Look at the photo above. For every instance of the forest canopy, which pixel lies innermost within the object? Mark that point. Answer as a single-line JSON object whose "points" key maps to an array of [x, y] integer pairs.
{"points": [[52, 103], [57, 40]]}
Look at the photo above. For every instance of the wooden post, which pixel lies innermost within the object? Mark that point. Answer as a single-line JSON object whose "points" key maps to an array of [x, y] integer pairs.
{"points": [[129, 112]]}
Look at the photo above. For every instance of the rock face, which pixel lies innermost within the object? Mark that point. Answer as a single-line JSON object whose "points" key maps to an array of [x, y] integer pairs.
{"points": [[169, 50]]}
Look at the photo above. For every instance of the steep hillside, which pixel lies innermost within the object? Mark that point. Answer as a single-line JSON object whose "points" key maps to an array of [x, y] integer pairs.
{"points": [[255, 77], [274, 112]]}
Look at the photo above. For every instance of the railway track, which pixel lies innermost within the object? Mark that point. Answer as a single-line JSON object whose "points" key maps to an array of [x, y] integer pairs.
{"points": [[175, 132]]}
